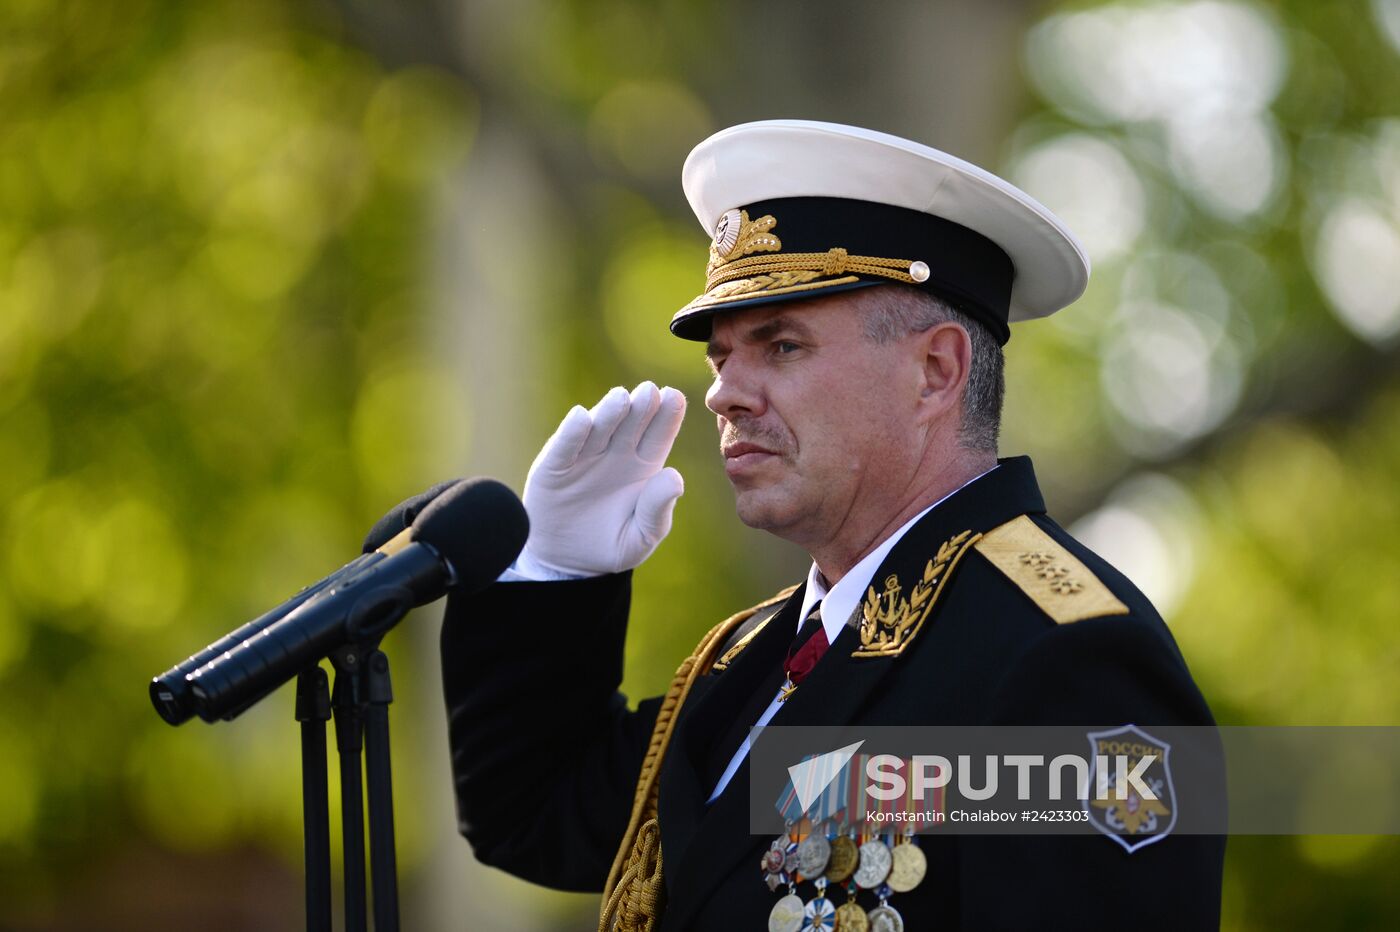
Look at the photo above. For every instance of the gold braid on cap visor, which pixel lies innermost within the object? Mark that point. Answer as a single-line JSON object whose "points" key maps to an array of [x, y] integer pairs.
{"points": [[734, 273]]}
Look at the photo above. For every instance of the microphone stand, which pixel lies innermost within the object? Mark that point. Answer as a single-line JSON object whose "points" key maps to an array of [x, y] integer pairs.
{"points": [[360, 705], [347, 703], [313, 711], [378, 772]]}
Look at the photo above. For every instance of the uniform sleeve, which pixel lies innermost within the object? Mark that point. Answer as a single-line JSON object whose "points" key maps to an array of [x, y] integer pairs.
{"points": [[545, 753], [1099, 672]]}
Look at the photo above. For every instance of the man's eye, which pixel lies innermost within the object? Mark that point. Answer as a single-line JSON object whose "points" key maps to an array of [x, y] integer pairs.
{"points": [[783, 347]]}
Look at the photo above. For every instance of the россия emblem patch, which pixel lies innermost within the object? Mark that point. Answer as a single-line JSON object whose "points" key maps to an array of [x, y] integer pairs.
{"points": [[1146, 811]]}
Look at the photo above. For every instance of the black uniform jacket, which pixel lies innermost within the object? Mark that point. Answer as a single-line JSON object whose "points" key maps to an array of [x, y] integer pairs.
{"points": [[545, 752]]}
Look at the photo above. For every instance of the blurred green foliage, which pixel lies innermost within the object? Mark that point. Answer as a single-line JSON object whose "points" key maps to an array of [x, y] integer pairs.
{"points": [[209, 246], [228, 239]]}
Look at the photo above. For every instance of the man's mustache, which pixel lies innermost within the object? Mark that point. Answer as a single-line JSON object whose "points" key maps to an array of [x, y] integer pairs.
{"points": [[762, 435]]}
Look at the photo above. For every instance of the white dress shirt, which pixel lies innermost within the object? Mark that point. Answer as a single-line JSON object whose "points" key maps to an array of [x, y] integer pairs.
{"points": [[839, 603]]}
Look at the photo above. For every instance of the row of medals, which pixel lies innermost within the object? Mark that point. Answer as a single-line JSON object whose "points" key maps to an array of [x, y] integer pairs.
{"points": [[883, 868]]}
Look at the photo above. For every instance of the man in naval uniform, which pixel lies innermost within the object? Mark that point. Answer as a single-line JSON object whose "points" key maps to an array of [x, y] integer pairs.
{"points": [[858, 294]]}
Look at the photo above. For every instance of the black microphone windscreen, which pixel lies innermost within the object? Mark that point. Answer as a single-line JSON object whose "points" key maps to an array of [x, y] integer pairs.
{"points": [[402, 516], [479, 527]]}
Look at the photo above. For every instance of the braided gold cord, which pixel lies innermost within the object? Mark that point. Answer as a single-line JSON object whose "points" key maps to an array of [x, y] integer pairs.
{"points": [[632, 896], [830, 263], [634, 882]]}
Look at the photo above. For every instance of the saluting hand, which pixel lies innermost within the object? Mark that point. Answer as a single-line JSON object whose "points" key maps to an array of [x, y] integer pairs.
{"points": [[598, 498]]}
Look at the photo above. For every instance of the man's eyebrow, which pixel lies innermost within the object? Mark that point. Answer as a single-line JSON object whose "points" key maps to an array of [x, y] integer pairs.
{"points": [[783, 323], [763, 332]]}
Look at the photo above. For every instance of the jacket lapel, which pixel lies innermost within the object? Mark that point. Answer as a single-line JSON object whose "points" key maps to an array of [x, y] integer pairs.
{"points": [[694, 758], [721, 841]]}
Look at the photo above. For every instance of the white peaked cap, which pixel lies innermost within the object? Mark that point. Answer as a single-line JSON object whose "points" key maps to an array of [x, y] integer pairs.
{"points": [[756, 163]]}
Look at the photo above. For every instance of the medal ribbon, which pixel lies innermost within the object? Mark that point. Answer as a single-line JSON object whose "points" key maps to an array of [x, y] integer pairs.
{"points": [[830, 798]]}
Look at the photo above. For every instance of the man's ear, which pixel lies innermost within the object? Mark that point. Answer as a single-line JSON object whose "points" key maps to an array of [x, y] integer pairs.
{"points": [[947, 360]]}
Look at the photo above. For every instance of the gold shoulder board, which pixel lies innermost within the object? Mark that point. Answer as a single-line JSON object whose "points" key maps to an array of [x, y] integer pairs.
{"points": [[735, 621], [1054, 578]]}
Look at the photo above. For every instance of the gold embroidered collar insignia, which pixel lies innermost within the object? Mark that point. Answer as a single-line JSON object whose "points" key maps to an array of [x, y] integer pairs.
{"points": [[891, 620]]}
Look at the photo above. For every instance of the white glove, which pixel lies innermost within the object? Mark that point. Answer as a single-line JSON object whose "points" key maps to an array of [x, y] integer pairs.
{"points": [[598, 498]]}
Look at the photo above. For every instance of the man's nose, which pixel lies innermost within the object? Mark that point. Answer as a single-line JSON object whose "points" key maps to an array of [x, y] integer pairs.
{"points": [[736, 391]]}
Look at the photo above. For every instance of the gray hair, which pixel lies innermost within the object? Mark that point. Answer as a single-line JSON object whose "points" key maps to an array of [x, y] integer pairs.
{"points": [[892, 312]]}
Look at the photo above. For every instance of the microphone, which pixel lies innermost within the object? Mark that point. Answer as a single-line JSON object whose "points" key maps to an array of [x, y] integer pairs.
{"points": [[402, 516], [461, 540], [170, 694]]}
